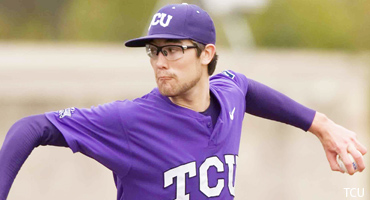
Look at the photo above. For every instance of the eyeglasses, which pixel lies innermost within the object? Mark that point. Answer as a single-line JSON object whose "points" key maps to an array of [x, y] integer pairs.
{"points": [[170, 52]]}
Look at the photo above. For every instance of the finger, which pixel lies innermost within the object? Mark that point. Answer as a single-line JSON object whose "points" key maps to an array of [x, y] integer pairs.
{"points": [[332, 158], [360, 147], [347, 162], [358, 158]]}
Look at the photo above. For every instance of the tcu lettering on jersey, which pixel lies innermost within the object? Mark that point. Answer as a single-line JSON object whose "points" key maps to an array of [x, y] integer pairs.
{"points": [[159, 18], [180, 172]]}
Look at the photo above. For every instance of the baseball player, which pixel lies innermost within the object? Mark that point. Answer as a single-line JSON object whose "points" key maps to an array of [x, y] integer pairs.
{"points": [[181, 140]]}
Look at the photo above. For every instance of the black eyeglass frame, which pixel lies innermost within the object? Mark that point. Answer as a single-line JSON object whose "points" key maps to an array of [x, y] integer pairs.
{"points": [[159, 48]]}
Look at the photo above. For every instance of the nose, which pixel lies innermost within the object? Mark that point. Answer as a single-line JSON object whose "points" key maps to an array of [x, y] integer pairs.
{"points": [[161, 61]]}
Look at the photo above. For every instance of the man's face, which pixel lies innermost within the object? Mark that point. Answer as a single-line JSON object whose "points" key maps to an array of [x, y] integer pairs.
{"points": [[176, 77]]}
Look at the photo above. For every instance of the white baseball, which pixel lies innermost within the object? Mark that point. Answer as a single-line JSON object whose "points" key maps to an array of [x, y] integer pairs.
{"points": [[343, 167]]}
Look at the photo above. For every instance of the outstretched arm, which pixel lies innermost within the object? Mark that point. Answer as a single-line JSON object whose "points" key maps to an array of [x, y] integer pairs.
{"points": [[25, 135], [338, 140], [265, 102]]}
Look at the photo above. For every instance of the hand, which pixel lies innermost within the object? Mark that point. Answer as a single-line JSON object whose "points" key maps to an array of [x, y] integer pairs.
{"points": [[338, 140]]}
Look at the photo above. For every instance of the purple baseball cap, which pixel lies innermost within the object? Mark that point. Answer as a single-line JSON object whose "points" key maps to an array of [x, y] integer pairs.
{"points": [[179, 21]]}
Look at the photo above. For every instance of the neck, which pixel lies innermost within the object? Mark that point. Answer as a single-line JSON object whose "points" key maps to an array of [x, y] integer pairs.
{"points": [[197, 98]]}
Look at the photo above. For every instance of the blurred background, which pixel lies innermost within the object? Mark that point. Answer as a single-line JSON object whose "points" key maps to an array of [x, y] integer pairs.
{"points": [[61, 53]]}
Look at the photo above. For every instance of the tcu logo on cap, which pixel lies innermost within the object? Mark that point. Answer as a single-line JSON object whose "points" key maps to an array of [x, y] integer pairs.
{"points": [[159, 18]]}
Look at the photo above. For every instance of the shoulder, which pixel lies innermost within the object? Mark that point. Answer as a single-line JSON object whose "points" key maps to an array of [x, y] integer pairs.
{"points": [[142, 104], [229, 78], [149, 98]]}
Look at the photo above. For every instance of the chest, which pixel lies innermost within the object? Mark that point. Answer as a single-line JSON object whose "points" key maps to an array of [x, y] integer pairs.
{"points": [[188, 162], [184, 156]]}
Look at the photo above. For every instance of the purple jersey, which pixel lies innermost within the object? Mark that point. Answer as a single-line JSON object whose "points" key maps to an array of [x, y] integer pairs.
{"points": [[158, 150]]}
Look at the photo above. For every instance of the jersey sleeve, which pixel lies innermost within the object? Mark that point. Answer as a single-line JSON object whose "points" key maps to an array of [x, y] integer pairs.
{"points": [[25, 135], [230, 79], [96, 132], [239, 79], [265, 102], [268, 103]]}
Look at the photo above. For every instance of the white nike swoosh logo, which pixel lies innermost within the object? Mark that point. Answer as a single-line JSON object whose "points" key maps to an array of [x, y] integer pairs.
{"points": [[232, 114]]}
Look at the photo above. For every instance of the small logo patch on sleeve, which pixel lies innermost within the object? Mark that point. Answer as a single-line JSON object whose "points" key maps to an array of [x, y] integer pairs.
{"points": [[66, 112], [229, 74]]}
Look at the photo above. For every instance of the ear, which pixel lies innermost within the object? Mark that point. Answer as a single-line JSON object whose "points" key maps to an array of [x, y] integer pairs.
{"points": [[208, 54]]}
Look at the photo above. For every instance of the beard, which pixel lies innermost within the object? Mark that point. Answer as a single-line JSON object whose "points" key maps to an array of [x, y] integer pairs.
{"points": [[171, 87]]}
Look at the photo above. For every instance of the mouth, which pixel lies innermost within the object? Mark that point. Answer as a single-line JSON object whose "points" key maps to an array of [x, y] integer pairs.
{"points": [[164, 78]]}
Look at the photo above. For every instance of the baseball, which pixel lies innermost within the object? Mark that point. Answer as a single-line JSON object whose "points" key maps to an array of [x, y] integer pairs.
{"points": [[343, 167]]}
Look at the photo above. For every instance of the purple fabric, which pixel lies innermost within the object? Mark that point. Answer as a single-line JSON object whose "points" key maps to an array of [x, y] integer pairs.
{"points": [[213, 110], [179, 21], [96, 132], [149, 142], [144, 140], [265, 102], [25, 135], [268, 103]]}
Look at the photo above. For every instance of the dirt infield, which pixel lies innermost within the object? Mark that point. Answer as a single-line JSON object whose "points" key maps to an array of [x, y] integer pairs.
{"points": [[275, 161]]}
